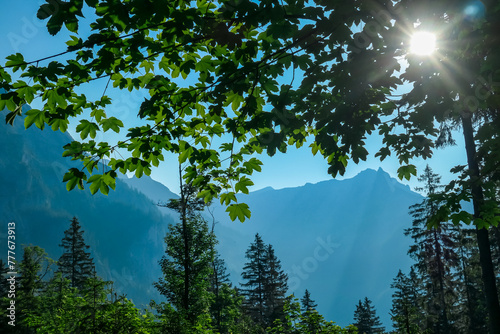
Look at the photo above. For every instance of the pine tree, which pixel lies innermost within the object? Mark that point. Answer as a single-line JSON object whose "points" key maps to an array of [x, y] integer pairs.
{"points": [[307, 303], [275, 287], [75, 263], [309, 313], [471, 300], [254, 273], [187, 264], [34, 266], [435, 253], [405, 312], [219, 280], [266, 284], [365, 318], [185, 280]]}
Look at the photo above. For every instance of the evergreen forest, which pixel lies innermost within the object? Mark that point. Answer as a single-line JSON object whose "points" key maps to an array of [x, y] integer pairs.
{"points": [[224, 86]]}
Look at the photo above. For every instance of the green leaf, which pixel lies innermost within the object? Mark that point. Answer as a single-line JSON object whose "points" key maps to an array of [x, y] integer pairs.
{"points": [[34, 116], [407, 171], [86, 128], [243, 185], [9, 119], [253, 164], [112, 123], [238, 210], [16, 61], [59, 124], [227, 198], [74, 177]]}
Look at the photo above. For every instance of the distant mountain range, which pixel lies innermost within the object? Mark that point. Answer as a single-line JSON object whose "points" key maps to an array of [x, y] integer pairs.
{"points": [[342, 240]]}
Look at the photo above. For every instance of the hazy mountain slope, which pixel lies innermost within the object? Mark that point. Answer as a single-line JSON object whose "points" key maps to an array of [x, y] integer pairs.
{"points": [[125, 230], [342, 240]]}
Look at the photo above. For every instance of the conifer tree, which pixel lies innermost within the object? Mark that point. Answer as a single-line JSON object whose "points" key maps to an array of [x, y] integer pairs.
{"points": [[32, 269], [75, 263], [309, 313], [434, 250], [265, 284], [254, 274], [405, 312], [307, 303], [365, 318], [219, 285], [275, 287], [187, 264], [471, 301]]}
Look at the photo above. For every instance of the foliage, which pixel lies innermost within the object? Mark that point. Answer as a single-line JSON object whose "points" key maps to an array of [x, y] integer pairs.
{"points": [[32, 269], [63, 309], [309, 313], [232, 56], [241, 61], [226, 306]]}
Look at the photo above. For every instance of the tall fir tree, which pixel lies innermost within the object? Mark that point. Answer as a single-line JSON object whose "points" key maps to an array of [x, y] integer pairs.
{"points": [[434, 251], [32, 270], [254, 275], [187, 264], [265, 284], [75, 263], [307, 303], [406, 312], [366, 319], [219, 285], [471, 301], [275, 287], [309, 313]]}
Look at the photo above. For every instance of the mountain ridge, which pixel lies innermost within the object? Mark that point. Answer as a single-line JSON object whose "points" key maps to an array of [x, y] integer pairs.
{"points": [[341, 239]]}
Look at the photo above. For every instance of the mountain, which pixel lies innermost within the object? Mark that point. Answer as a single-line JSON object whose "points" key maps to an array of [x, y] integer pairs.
{"points": [[342, 240], [125, 230]]}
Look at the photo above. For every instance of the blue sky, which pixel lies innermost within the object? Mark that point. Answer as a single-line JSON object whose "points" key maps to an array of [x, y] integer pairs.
{"points": [[23, 32]]}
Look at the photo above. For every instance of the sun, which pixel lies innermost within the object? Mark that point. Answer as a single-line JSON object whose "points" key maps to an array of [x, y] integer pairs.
{"points": [[423, 43]]}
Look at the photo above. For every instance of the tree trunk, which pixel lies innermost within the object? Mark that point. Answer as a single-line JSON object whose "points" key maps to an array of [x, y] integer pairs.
{"points": [[488, 275], [185, 236]]}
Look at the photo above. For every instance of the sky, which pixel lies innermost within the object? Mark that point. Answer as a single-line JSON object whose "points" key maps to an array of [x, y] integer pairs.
{"points": [[23, 32]]}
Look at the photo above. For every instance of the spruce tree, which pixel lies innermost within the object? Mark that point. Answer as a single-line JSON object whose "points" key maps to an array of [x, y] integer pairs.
{"points": [[309, 313], [219, 280], [469, 288], [275, 287], [365, 318], [34, 266], [265, 284], [434, 250], [254, 274], [187, 264], [307, 303], [405, 312], [75, 263]]}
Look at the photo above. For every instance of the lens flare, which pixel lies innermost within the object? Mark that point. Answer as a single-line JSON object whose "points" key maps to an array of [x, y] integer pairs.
{"points": [[474, 10], [423, 43]]}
